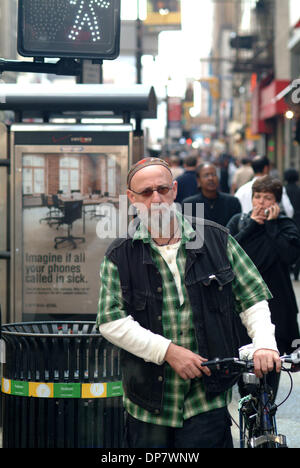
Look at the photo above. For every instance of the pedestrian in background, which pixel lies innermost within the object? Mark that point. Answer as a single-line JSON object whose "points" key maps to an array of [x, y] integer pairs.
{"points": [[187, 182], [227, 171], [174, 163], [291, 176], [242, 175], [272, 241], [170, 306], [261, 167], [218, 206]]}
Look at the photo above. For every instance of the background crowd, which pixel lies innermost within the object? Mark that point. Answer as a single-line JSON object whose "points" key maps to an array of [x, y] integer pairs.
{"points": [[261, 212], [207, 179]]}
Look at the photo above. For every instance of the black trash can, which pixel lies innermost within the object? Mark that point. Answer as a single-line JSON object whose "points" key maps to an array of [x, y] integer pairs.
{"points": [[61, 387]]}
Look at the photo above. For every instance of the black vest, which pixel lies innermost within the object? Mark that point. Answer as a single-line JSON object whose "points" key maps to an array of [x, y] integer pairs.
{"points": [[208, 279]]}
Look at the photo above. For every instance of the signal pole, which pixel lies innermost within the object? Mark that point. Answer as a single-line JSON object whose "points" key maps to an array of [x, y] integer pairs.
{"points": [[139, 45]]}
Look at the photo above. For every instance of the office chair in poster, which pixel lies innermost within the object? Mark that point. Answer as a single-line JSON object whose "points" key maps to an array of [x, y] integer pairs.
{"points": [[72, 212]]}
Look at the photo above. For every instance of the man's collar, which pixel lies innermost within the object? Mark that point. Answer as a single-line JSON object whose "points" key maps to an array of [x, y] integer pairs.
{"points": [[207, 198]]}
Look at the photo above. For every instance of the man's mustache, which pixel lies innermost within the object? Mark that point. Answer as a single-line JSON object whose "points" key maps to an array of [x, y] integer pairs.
{"points": [[161, 208], [158, 218]]}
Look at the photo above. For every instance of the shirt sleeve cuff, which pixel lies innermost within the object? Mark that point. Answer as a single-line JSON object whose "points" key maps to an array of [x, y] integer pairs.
{"points": [[257, 320]]}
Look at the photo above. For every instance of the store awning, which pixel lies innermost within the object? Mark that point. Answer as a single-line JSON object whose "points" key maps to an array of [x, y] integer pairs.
{"points": [[291, 96], [284, 92], [271, 106]]}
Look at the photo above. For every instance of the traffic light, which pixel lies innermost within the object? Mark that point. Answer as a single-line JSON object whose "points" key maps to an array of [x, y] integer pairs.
{"points": [[69, 28], [165, 6]]}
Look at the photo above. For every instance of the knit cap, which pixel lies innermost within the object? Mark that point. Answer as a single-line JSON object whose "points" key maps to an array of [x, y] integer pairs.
{"points": [[145, 163]]}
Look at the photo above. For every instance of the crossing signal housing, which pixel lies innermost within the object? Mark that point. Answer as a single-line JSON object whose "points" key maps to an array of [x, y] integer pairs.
{"points": [[87, 29]]}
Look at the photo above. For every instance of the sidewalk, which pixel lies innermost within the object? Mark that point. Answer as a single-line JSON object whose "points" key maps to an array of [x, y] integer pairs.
{"points": [[288, 415]]}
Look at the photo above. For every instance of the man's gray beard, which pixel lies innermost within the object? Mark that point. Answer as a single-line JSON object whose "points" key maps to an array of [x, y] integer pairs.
{"points": [[159, 220]]}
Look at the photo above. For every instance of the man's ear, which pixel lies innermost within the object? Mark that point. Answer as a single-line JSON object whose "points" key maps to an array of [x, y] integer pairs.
{"points": [[130, 196], [175, 188]]}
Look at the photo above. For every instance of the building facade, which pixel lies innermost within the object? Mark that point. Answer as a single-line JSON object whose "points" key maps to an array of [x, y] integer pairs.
{"points": [[263, 62]]}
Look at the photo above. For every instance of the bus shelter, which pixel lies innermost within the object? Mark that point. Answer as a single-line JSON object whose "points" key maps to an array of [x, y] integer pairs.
{"points": [[61, 185]]}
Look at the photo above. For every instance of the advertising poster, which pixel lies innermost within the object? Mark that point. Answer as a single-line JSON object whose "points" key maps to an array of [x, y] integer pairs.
{"points": [[174, 117], [66, 192]]}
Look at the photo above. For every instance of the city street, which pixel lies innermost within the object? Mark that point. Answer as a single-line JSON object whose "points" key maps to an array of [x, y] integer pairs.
{"points": [[288, 415]]}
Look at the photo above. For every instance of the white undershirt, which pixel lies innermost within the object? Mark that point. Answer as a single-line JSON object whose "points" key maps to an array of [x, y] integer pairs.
{"points": [[169, 254]]}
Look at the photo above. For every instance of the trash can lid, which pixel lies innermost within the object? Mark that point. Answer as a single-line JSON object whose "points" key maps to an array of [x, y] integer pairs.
{"points": [[61, 329]]}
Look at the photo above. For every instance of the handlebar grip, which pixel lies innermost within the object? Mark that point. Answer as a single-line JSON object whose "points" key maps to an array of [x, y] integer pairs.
{"points": [[220, 362]]}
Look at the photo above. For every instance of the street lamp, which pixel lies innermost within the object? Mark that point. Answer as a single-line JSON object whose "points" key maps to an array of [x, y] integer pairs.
{"points": [[289, 115]]}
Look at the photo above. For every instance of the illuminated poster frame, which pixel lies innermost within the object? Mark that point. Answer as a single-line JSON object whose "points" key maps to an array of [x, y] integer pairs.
{"points": [[62, 171]]}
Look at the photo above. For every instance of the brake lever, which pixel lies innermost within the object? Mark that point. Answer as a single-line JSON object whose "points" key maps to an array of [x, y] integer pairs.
{"points": [[295, 368]]}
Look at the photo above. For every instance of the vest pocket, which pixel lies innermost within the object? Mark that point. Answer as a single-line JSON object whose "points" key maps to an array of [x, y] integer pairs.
{"points": [[218, 291], [222, 278], [138, 308], [139, 300], [134, 298]]}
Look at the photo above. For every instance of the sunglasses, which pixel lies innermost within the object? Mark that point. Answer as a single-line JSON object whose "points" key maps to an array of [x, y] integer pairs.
{"points": [[148, 192]]}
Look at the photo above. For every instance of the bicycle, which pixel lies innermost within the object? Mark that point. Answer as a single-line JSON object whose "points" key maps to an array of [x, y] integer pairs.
{"points": [[257, 410]]}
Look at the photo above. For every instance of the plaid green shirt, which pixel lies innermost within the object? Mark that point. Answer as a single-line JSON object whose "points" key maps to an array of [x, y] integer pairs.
{"points": [[182, 399]]}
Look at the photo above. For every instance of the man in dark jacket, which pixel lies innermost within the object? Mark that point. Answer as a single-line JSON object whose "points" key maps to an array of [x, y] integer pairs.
{"points": [[168, 300], [272, 241], [218, 206], [187, 182], [291, 176]]}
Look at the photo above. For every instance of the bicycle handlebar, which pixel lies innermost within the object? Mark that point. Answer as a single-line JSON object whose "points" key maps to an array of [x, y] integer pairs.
{"points": [[293, 358], [230, 365], [219, 364]]}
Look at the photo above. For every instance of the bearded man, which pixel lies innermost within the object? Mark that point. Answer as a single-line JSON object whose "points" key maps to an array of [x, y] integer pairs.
{"points": [[170, 303]]}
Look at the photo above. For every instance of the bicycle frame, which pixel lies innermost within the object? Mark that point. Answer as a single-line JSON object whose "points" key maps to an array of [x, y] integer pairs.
{"points": [[257, 410], [257, 416]]}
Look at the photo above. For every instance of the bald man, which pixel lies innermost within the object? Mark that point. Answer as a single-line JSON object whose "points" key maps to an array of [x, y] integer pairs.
{"points": [[170, 307]]}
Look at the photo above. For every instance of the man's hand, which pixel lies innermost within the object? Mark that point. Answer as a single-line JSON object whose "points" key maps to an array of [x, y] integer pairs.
{"points": [[264, 362], [185, 363]]}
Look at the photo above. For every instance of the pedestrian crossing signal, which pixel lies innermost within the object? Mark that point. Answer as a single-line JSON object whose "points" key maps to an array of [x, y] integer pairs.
{"points": [[69, 28]]}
